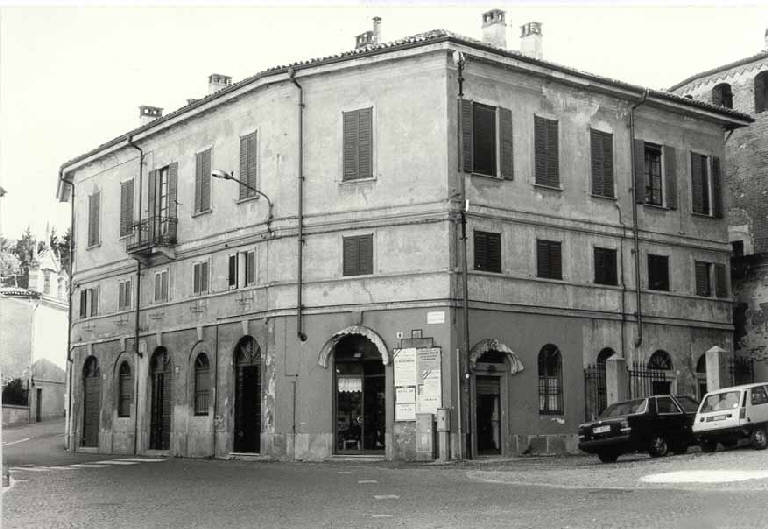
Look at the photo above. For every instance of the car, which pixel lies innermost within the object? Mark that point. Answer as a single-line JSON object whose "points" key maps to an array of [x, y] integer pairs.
{"points": [[730, 414], [657, 424]]}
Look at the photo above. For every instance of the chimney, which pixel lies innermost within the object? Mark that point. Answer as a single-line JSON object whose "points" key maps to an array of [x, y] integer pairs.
{"points": [[217, 81], [377, 30], [370, 38], [148, 113], [530, 40], [495, 28]]}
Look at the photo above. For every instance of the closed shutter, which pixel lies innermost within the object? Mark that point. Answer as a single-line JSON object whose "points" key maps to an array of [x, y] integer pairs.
{"points": [[127, 293], [83, 304], [555, 260], [542, 259], [598, 162], [487, 250], [351, 135], [94, 301], [158, 287], [243, 165], [481, 250], [173, 171], [467, 134], [204, 276], [93, 219], [641, 188], [547, 155], [252, 162], [549, 259], [203, 181], [365, 255], [358, 255], [121, 295], [717, 195], [553, 154], [350, 256], [540, 145], [608, 165], [670, 176], [721, 281], [507, 156], [250, 267], [365, 143], [702, 279], [494, 252], [164, 289], [697, 187], [196, 279], [126, 207]]}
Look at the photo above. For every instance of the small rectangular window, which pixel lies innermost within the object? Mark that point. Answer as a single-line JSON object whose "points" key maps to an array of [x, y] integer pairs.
{"points": [[653, 176], [89, 302], [658, 272], [358, 255], [703, 279], [484, 134], [161, 286], [737, 248], [605, 266], [549, 259], [547, 152], [124, 295], [487, 249]]}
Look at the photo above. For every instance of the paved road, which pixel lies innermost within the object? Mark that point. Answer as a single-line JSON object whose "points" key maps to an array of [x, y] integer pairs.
{"points": [[127, 492]]}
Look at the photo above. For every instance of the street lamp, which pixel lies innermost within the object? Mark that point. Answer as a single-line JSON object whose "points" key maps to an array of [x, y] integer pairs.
{"points": [[218, 173]]}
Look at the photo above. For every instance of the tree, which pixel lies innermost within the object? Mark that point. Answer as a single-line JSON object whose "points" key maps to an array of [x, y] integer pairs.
{"points": [[14, 393], [9, 267]]}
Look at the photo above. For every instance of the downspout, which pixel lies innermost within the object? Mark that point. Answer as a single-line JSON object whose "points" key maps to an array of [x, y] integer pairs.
{"points": [[300, 215], [69, 294], [638, 303], [623, 282], [215, 393], [129, 139]]}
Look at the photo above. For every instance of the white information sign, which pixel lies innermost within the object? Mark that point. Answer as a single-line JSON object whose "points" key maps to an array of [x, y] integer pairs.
{"points": [[405, 403], [435, 317], [430, 391], [405, 367]]}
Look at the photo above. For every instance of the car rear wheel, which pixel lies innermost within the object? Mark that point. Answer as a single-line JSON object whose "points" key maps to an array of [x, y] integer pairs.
{"points": [[708, 446], [659, 447], [608, 456], [759, 439]]}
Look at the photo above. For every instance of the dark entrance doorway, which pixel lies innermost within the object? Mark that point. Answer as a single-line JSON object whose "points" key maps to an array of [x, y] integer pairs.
{"points": [[488, 415], [360, 416], [247, 396], [91, 408], [161, 376], [39, 405]]}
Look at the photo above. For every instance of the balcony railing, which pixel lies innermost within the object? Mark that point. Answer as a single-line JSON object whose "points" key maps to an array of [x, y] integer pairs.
{"points": [[150, 233]]}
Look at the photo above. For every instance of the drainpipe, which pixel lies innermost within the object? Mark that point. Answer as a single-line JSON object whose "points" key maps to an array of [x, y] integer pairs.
{"points": [[129, 139], [300, 214], [215, 393], [621, 274], [69, 294], [639, 339]]}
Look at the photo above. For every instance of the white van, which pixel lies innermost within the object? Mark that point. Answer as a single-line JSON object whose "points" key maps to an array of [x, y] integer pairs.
{"points": [[730, 414]]}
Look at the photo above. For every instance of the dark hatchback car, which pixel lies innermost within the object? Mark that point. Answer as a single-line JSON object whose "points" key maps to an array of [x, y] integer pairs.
{"points": [[657, 424]]}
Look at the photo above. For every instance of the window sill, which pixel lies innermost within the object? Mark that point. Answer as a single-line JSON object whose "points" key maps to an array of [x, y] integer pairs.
{"points": [[649, 289], [247, 199], [703, 215], [656, 206], [603, 197], [557, 279], [201, 213], [358, 275], [91, 247], [357, 180], [616, 285], [548, 188], [491, 176]]}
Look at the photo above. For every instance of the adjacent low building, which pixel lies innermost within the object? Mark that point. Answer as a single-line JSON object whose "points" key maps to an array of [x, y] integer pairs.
{"points": [[434, 226]]}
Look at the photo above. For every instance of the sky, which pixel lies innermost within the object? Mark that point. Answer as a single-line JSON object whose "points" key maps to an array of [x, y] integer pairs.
{"points": [[73, 77]]}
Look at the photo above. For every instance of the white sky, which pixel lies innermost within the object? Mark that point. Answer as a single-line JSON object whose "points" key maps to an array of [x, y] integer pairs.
{"points": [[73, 77]]}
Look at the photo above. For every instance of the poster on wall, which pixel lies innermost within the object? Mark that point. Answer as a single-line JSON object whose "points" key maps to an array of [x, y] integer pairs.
{"points": [[430, 392], [405, 403], [405, 367]]}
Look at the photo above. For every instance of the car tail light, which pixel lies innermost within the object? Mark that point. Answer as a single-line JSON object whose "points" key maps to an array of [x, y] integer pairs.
{"points": [[743, 413]]}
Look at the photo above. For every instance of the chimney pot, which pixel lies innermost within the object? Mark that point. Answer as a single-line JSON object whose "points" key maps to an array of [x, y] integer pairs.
{"points": [[149, 113], [495, 28], [531, 44], [217, 81]]}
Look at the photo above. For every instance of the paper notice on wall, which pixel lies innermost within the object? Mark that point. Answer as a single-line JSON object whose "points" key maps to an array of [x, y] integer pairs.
{"points": [[405, 403], [430, 392], [405, 367]]}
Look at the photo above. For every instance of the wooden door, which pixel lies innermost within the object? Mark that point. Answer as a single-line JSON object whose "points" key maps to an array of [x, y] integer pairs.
{"points": [[91, 403], [160, 416]]}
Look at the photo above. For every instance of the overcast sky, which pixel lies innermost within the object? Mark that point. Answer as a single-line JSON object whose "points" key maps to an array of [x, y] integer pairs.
{"points": [[73, 77]]}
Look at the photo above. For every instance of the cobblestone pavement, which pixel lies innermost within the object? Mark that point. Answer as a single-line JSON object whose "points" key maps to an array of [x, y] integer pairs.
{"points": [[574, 492]]}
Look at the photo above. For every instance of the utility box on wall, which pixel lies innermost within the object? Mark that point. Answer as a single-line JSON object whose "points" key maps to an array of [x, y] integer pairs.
{"points": [[425, 437]]}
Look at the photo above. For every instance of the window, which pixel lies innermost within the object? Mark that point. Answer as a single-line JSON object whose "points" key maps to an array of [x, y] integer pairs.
{"points": [[758, 395], [250, 268], [161, 286], [232, 280], [661, 360], [705, 185], [658, 272], [202, 384], [162, 196], [550, 381], [547, 154], [125, 390], [653, 179], [358, 144], [737, 248], [200, 278], [605, 266], [722, 96], [124, 294], [761, 92], [203, 181], [126, 207], [358, 255], [486, 140], [703, 279], [248, 165], [89, 302], [549, 259], [602, 163], [655, 174], [487, 249], [93, 219]]}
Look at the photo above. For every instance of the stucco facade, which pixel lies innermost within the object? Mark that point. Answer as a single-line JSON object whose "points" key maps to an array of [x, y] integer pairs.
{"points": [[413, 205]]}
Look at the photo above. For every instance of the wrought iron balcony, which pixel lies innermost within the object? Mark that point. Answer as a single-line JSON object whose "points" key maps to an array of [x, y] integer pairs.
{"points": [[154, 233]]}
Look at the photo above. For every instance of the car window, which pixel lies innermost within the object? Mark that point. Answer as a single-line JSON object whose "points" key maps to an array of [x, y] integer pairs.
{"points": [[620, 409], [689, 404], [720, 401], [666, 405], [758, 395]]}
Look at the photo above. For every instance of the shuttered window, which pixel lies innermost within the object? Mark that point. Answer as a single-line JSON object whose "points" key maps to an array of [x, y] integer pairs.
{"points": [[248, 165], [484, 134], [89, 302], [358, 255], [126, 207], [722, 95], [658, 272], [605, 266], [83, 304], [161, 286], [549, 259], [487, 250], [125, 391], [358, 144], [717, 195], [250, 268], [699, 184], [486, 148], [200, 277], [233, 269], [202, 384], [653, 178], [761, 92], [203, 181], [124, 295], [93, 219], [721, 281], [547, 152], [703, 278], [602, 163]]}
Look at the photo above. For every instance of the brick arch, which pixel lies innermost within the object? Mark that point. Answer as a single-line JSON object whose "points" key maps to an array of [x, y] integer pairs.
{"points": [[373, 336], [492, 344]]}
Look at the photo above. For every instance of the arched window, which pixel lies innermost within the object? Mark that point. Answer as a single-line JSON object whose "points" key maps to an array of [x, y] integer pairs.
{"points": [[550, 381], [722, 95], [604, 355], [125, 390], [202, 384], [761, 92], [660, 360]]}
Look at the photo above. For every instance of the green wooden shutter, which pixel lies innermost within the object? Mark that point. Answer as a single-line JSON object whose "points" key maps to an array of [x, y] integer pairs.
{"points": [[540, 147], [252, 163], [467, 135], [173, 171], [542, 258], [365, 142], [721, 281], [697, 188], [507, 155], [670, 176], [598, 162], [556, 260], [641, 188], [546, 152], [717, 195], [350, 256], [494, 252], [243, 165], [351, 126]]}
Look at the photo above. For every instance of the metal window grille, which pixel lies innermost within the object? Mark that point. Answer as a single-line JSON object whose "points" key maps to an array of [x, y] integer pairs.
{"points": [[645, 381], [550, 381], [595, 391], [125, 391], [202, 384]]}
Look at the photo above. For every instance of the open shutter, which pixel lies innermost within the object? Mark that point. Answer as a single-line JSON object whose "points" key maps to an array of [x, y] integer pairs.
{"points": [[542, 259], [205, 185], [243, 165], [365, 255], [350, 256], [204, 277], [494, 252], [198, 182], [641, 191], [152, 193], [507, 157], [721, 284], [365, 143], [232, 277], [351, 124], [126, 207], [717, 195], [94, 301], [196, 280], [481, 250], [83, 304], [556, 260], [553, 154], [540, 147], [608, 165], [467, 135], [670, 176], [598, 162], [697, 189], [252, 162], [173, 171], [702, 279]]}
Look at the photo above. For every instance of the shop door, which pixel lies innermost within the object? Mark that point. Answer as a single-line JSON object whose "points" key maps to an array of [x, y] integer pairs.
{"points": [[160, 420], [247, 408], [91, 408], [488, 414]]}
